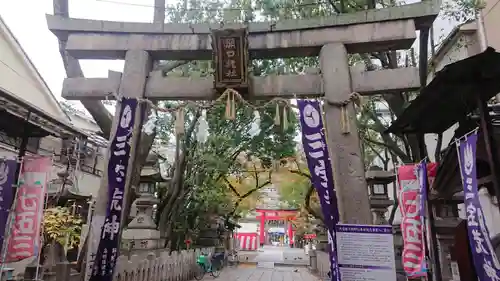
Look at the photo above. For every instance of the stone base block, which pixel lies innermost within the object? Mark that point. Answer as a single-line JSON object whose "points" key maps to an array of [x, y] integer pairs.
{"points": [[140, 234]]}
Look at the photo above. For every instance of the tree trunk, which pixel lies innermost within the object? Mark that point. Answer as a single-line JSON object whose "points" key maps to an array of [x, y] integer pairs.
{"points": [[177, 182]]}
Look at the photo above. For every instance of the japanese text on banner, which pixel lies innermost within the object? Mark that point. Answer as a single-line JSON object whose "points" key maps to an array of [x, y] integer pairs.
{"points": [[7, 180], [318, 162], [24, 239], [485, 260], [107, 251], [412, 227]]}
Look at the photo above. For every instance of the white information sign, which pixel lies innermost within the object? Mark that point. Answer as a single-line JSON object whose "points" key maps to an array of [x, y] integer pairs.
{"points": [[365, 252]]}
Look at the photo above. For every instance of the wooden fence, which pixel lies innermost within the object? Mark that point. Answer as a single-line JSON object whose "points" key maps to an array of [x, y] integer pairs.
{"points": [[178, 266], [152, 266]]}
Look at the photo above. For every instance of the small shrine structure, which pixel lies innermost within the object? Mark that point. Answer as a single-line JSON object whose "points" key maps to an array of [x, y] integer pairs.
{"points": [[284, 217], [458, 94]]}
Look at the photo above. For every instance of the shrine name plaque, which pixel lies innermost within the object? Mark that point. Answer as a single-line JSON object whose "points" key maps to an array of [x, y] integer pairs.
{"points": [[230, 59]]}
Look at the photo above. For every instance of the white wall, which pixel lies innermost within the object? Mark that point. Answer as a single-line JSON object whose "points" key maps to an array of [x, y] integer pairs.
{"points": [[247, 227], [18, 77]]}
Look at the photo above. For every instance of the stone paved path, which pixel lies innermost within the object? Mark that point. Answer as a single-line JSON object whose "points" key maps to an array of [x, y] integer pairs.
{"points": [[243, 273], [278, 255]]}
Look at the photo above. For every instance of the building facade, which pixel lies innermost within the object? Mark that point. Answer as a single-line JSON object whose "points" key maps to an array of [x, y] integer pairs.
{"points": [[30, 114], [20, 81]]}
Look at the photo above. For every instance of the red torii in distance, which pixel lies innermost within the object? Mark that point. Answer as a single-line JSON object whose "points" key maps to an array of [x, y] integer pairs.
{"points": [[283, 215]]}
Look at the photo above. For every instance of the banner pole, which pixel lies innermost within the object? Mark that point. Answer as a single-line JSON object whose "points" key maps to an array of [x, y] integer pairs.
{"points": [[426, 237], [41, 239], [431, 234], [434, 255], [436, 268]]}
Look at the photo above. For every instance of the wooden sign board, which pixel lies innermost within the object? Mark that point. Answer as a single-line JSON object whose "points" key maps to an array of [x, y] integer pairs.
{"points": [[230, 59]]}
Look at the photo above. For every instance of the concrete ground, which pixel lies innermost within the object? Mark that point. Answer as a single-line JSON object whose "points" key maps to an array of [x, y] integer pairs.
{"points": [[274, 254], [269, 263], [254, 273]]}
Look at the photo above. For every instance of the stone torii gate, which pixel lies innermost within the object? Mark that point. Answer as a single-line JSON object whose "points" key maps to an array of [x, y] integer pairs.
{"points": [[332, 38]]}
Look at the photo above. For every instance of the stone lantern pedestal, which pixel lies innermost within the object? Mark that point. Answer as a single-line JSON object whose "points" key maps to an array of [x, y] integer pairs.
{"points": [[321, 237], [142, 232]]}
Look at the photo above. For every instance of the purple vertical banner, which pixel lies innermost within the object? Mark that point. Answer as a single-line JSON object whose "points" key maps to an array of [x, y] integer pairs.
{"points": [[7, 180], [483, 253], [421, 171], [119, 154], [320, 167], [423, 180]]}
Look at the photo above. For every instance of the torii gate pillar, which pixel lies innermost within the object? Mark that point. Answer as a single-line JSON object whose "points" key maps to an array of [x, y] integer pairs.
{"points": [[138, 64], [344, 147]]}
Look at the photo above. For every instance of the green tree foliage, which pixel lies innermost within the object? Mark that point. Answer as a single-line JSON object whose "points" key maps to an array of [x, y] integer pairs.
{"points": [[462, 10], [293, 188], [61, 226], [198, 189], [216, 159], [201, 191]]}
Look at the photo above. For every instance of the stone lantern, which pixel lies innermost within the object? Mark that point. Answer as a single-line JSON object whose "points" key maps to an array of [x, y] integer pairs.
{"points": [[321, 235], [378, 181], [141, 232]]}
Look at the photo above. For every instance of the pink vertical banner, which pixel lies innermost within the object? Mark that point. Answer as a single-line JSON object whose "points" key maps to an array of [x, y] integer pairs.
{"points": [[24, 240], [412, 219]]}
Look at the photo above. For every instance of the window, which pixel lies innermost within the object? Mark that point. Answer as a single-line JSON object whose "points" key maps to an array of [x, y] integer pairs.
{"points": [[147, 187], [379, 189]]}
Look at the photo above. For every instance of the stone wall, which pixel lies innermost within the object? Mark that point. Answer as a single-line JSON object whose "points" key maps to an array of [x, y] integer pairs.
{"points": [[322, 264]]}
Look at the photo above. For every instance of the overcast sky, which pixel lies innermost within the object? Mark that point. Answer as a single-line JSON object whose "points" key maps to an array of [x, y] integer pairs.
{"points": [[26, 19]]}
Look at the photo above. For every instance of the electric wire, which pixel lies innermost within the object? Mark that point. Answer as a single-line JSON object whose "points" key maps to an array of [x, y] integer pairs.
{"points": [[492, 8]]}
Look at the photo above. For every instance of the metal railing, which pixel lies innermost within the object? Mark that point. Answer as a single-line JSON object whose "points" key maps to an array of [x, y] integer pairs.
{"points": [[58, 158]]}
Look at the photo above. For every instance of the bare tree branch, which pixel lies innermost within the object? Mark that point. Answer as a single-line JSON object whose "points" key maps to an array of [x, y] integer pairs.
{"points": [[300, 173], [387, 140], [307, 204], [335, 7], [257, 187], [248, 193], [169, 66], [233, 189], [379, 155]]}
